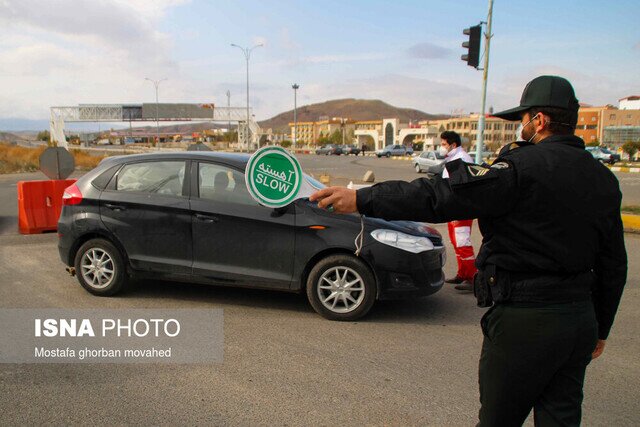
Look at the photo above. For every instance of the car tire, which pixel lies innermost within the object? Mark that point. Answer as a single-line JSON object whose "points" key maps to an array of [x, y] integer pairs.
{"points": [[388, 155], [351, 280], [111, 277], [418, 170]]}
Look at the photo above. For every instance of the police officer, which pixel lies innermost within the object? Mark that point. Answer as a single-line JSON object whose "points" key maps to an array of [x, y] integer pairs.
{"points": [[552, 264]]}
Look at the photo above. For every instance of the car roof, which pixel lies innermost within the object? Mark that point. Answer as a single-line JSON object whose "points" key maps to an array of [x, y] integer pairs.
{"points": [[235, 159]]}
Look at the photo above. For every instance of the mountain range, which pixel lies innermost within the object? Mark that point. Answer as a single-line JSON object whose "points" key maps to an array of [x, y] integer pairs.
{"points": [[357, 109]]}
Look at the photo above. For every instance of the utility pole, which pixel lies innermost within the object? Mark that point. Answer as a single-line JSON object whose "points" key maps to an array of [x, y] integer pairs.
{"points": [[295, 88], [485, 73], [229, 111], [156, 83], [247, 55]]}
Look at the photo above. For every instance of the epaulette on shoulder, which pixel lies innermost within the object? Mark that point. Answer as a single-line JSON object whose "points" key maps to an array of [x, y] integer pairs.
{"points": [[513, 146]]}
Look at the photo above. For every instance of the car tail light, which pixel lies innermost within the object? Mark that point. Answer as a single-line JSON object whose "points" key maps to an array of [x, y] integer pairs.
{"points": [[71, 196]]}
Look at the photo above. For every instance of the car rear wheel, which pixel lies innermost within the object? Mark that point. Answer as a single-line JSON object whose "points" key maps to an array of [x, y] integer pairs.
{"points": [[341, 287], [100, 268], [388, 155]]}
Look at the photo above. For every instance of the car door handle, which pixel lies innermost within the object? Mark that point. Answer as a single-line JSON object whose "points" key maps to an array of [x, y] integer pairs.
{"points": [[206, 218], [115, 207]]}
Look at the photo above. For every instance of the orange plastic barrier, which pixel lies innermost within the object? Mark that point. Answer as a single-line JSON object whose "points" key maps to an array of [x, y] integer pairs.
{"points": [[39, 204]]}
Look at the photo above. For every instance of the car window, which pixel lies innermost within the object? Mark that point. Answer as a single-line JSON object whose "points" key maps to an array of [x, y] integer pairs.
{"points": [[222, 184], [152, 177]]}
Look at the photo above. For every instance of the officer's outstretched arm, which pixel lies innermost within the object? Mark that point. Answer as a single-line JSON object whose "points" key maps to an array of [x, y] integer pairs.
{"points": [[471, 191]]}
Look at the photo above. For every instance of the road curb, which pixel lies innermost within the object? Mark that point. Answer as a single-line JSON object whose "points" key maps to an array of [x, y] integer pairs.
{"points": [[631, 223], [624, 169]]}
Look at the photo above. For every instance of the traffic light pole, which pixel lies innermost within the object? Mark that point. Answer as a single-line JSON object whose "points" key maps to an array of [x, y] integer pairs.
{"points": [[485, 74]]}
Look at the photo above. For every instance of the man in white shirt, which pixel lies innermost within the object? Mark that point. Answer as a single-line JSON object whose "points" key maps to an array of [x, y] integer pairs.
{"points": [[459, 231]]}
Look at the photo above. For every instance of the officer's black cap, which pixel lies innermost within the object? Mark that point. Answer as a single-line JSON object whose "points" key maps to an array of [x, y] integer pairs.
{"points": [[543, 91]]}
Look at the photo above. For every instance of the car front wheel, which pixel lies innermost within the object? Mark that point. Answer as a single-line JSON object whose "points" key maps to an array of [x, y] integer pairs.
{"points": [[418, 168], [100, 267], [341, 287], [388, 155]]}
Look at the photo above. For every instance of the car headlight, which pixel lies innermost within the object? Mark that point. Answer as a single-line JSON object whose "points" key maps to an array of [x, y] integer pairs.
{"points": [[406, 242]]}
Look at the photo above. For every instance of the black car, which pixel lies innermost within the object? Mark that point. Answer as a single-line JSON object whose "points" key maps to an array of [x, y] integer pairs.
{"points": [[350, 149], [189, 217]]}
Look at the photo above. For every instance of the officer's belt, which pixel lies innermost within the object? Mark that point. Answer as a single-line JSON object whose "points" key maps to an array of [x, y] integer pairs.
{"points": [[508, 286]]}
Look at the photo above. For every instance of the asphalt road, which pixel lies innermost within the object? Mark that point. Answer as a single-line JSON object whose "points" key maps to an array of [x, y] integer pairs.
{"points": [[407, 363]]}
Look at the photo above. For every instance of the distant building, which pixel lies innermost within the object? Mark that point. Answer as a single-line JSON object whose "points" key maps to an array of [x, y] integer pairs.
{"points": [[620, 126], [497, 132], [589, 125], [629, 103], [310, 132]]}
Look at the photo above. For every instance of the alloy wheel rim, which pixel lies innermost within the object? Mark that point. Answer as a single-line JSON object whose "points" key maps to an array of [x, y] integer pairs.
{"points": [[98, 268], [341, 289]]}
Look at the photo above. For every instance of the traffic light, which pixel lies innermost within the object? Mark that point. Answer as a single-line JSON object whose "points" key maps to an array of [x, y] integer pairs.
{"points": [[473, 45]]}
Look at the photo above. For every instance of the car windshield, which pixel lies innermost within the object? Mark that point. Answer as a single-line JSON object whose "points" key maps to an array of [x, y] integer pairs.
{"points": [[439, 156]]}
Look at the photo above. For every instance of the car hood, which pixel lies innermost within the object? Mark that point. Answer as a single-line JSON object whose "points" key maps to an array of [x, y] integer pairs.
{"points": [[409, 227]]}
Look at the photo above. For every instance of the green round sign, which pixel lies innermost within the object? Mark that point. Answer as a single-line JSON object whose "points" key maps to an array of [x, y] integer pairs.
{"points": [[273, 177]]}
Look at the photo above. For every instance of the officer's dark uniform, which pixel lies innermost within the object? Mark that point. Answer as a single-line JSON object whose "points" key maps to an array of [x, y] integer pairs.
{"points": [[552, 257]]}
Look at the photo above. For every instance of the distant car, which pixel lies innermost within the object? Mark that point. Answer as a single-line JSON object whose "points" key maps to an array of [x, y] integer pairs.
{"points": [[429, 161], [600, 155], [395, 150], [188, 217], [614, 156], [485, 154], [350, 149], [330, 149]]}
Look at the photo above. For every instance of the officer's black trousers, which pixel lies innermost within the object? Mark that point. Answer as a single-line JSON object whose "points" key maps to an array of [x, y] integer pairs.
{"points": [[535, 356]]}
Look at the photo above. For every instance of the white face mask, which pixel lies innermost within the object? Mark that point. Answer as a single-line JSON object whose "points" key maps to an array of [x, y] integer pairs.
{"points": [[443, 151], [519, 136]]}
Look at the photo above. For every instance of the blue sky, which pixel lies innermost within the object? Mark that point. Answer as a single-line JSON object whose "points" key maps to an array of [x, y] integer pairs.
{"points": [[406, 53]]}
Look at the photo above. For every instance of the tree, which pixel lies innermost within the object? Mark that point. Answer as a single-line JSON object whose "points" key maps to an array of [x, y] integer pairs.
{"points": [[336, 137], [44, 136], [323, 140], [285, 144], [631, 148], [230, 136]]}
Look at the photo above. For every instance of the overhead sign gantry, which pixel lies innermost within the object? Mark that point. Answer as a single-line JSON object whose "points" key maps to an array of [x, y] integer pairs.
{"points": [[150, 112]]}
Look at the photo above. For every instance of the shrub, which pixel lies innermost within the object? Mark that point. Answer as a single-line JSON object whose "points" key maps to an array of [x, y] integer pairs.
{"points": [[14, 159], [631, 148]]}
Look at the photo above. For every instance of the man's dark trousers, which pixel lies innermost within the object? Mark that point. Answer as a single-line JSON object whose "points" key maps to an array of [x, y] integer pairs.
{"points": [[535, 356]]}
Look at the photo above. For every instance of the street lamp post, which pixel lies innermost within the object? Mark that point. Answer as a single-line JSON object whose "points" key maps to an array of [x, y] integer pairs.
{"points": [[247, 54], [229, 112], [295, 88], [156, 83]]}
